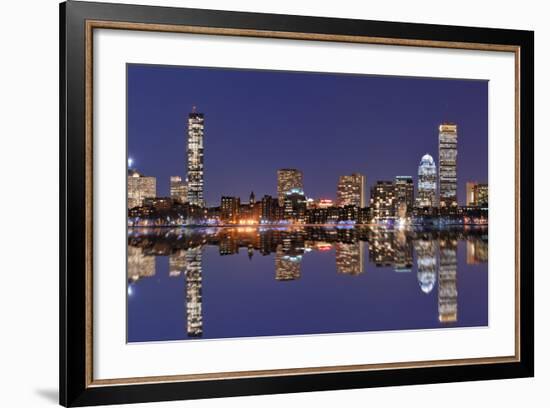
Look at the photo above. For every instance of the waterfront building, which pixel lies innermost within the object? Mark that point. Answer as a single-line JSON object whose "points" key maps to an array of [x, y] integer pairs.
{"points": [[230, 209], [351, 190], [448, 142], [195, 158], [319, 203], [268, 207], [404, 195], [427, 183], [158, 203], [295, 205], [178, 189], [363, 215], [382, 200], [139, 188], [481, 193], [477, 194], [348, 213], [287, 180]]}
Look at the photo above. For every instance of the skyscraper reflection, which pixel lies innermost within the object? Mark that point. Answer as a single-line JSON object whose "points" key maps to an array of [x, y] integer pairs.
{"points": [[177, 263], [288, 261], [435, 251], [139, 264], [403, 252], [426, 264], [193, 291], [350, 258], [477, 250], [447, 290]]}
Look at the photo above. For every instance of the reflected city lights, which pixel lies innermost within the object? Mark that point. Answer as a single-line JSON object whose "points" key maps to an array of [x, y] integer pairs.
{"points": [[435, 252]]}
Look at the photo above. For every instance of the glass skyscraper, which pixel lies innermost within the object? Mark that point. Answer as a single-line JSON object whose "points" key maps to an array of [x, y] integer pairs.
{"points": [[351, 190], [447, 165], [287, 180], [427, 182]]}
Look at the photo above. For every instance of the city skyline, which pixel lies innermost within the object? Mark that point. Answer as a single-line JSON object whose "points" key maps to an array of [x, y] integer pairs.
{"points": [[222, 165]]}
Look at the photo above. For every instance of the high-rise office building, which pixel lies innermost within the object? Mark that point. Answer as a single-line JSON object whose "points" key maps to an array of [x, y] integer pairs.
{"points": [[230, 209], [139, 188], [195, 158], [351, 190], [477, 194], [178, 189], [404, 195], [382, 200], [295, 205], [427, 183], [448, 141], [287, 180]]}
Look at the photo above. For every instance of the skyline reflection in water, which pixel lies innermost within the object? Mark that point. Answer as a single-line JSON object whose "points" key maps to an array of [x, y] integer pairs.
{"points": [[188, 283]]}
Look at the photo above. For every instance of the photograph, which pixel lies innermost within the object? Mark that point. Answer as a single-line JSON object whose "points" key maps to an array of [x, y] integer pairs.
{"points": [[289, 203]]}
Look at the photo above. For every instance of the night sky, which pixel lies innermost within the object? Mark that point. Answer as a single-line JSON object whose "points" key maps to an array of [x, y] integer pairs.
{"points": [[327, 125]]}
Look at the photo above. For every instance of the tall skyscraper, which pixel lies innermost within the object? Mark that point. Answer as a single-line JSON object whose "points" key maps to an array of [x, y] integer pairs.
{"points": [[447, 165], [427, 183], [195, 158], [287, 180], [351, 190], [382, 200], [178, 189], [404, 195], [139, 188]]}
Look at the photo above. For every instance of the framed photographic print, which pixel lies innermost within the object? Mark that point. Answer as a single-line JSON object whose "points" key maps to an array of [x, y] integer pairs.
{"points": [[255, 203]]}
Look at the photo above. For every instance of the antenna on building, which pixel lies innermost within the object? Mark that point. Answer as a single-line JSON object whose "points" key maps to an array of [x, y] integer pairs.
{"points": [[194, 109]]}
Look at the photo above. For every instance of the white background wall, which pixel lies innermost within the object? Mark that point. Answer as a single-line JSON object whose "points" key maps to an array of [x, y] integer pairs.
{"points": [[29, 190]]}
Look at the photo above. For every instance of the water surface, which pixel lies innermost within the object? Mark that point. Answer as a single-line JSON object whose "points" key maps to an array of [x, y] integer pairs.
{"points": [[205, 283]]}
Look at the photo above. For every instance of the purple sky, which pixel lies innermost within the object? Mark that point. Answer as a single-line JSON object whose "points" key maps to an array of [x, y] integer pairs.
{"points": [[327, 125]]}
